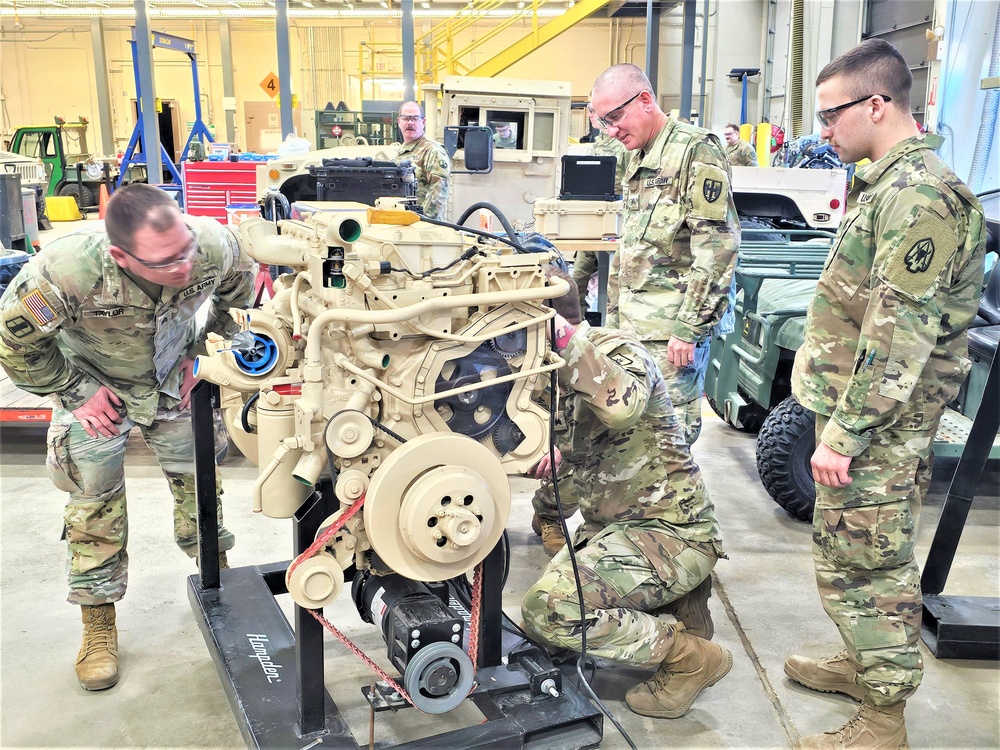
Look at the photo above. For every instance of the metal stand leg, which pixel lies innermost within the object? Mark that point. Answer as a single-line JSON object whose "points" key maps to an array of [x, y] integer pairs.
{"points": [[963, 627], [204, 398]]}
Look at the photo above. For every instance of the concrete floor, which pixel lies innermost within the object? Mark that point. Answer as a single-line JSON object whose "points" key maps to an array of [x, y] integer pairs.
{"points": [[765, 608]]}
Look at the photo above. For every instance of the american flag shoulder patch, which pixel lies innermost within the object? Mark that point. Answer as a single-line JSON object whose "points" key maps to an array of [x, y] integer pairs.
{"points": [[39, 307]]}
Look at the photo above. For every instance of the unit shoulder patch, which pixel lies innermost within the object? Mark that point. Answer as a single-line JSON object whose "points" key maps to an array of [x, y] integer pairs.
{"points": [[711, 190], [920, 254]]}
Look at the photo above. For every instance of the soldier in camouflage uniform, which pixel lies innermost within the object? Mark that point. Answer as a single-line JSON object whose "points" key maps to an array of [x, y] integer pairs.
{"points": [[649, 537], [680, 232], [104, 321], [432, 167], [884, 352], [740, 153]]}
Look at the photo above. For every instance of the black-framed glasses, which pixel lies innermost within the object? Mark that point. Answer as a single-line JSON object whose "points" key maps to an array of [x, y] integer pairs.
{"points": [[615, 116], [829, 117], [191, 249]]}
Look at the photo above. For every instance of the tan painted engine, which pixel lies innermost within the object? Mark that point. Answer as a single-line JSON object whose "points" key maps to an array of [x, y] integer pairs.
{"points": [[401, 356]]}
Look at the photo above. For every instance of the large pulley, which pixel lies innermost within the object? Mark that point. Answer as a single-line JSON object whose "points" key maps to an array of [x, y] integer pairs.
{"points": [[437, 506]]}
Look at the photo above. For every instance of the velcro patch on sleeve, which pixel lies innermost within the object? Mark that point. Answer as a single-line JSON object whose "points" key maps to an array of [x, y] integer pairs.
{"points": [[921, 252], [710, 197], [39, 307]]}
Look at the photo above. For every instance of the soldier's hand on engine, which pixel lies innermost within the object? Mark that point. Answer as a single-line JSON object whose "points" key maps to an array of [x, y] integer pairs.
{"points": [[544, 467], [188, 381], [830, 468], [99, 415], [680, 353]]}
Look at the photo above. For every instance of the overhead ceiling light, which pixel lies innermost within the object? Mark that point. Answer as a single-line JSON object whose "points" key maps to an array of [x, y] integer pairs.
{"points": [[426, 4], [307, 4], [383, 3], [520, 5]]}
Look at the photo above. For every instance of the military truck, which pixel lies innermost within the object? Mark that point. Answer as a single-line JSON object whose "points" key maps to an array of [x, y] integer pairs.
{"points": [[537, 111]]}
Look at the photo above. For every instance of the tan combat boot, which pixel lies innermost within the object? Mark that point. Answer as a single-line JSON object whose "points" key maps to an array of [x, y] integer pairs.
{"points": [[97, 662], [871, 728], [223, 561], [832, 674], [691, 665], [692, 610], [550, 530]]}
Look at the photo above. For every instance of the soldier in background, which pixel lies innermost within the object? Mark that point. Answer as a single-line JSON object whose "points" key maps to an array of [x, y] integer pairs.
{"points": [[740, 153], [104, 322], [679, 236], [432, 167], [649, 538], [884, 352]]}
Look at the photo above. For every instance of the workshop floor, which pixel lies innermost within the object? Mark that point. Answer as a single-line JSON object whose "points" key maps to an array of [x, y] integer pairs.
{"points": [[765, 608]]}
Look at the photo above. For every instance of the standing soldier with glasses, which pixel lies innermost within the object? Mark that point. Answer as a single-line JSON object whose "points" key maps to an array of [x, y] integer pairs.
{"points": [[104, 321], [680, 232], [884, 352]]}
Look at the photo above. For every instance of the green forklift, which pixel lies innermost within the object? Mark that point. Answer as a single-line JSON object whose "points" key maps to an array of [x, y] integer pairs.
{"points": [[71, 169]]}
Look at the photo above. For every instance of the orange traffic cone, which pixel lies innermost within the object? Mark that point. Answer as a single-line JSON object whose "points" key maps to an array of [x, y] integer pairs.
{"points": [[103, 203]]}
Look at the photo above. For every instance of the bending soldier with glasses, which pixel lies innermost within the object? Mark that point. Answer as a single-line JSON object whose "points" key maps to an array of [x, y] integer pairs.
{"points": [[103, 321]]}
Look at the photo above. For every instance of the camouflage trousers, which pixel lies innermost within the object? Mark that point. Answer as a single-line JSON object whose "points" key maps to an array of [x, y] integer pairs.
{"points": [[868, 579], [685, 385], [622, 589], [92, 471]]}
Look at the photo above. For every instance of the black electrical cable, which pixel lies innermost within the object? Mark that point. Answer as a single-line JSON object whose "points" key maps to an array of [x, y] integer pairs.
{"points": [[572, 556], [464, 256], [477, 232], [493, 210], [273, 201], [245, 414]]}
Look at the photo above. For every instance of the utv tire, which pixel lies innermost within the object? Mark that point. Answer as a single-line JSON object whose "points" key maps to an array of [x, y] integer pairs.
{"points": [[84, 195], [785, 446]]}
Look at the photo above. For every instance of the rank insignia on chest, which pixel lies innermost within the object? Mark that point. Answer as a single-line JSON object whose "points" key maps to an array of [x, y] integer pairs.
{"points": [[658, 181], [711, 189], [918, 258], [633, 203], [865, 198]]}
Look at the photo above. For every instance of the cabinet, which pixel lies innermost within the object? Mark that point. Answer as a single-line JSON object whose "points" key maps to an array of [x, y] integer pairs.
{"points": [[210, 186], [377, 128]]}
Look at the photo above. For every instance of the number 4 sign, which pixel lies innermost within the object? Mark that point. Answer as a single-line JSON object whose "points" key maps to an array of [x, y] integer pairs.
{"points": [[270, 85]]}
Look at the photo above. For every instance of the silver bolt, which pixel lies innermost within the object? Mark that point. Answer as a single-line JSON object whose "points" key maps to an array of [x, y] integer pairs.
{"points": [[456, 638], [549, 686], [415, 633], [456, 628], [414, 643]]}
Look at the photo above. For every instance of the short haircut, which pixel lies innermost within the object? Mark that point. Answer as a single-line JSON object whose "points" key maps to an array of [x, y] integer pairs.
{"points": [[569, 304], [873, 67], [733, 126], [627, 78], [135, 206], [411, 102]]}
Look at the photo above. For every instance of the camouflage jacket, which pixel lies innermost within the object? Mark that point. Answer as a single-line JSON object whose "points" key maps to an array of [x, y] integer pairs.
{"points": [[741, 154], [72, 320], [885, 342], [605, 145], [679, 237], [432, 169], [626, 444]]}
